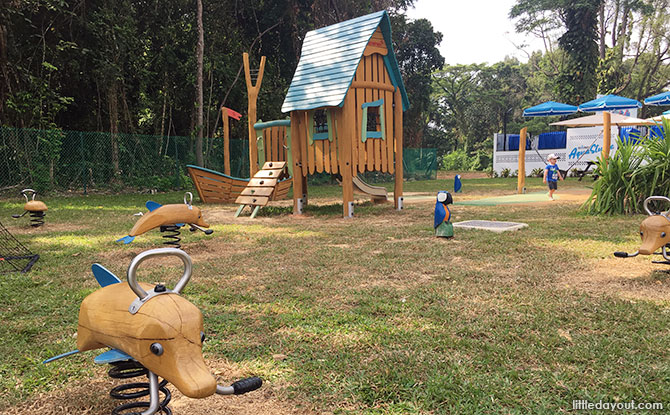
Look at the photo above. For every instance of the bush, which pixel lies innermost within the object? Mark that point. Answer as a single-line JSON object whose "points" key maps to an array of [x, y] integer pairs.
{"points": [[537, 172], [460, 160], [505, 172], [635, 172]]}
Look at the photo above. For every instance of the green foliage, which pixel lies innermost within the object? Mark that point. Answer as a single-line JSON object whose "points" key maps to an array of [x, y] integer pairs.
{"points": [[537, 172], [635, 172], [460, 160]]}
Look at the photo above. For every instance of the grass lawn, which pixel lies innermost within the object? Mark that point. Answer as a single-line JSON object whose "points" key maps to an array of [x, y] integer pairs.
{"points": [[372, 315]]}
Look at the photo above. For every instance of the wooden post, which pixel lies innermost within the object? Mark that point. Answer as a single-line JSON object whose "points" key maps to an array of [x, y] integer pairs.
{"points": [[346, 139], [521, 180], [397, 118], [607, 135], [226, 141], [252, 93], [296, 143]]}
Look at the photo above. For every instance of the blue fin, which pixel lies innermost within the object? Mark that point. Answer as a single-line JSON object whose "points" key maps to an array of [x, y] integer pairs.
{"points": [[111, 356], [60, 356], [151, 205], [104, 276], [126, 239]]}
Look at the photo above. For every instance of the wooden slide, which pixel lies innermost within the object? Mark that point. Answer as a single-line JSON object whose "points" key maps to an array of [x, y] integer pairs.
{"points": [[272, 182], [377, 193]]}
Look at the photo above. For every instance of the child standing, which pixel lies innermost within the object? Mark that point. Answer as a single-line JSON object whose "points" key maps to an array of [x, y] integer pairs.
{"points": [[552, 174]]}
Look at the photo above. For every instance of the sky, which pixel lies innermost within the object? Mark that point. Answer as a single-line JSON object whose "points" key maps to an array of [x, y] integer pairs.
{"points": [[474, 31]]}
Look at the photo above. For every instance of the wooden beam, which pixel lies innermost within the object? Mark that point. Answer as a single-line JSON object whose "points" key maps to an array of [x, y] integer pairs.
{"points": [[296, 143], [398, 125], [252, 97]]}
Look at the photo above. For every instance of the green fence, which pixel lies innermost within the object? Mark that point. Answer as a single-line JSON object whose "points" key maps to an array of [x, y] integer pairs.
{"points": [[59, 160], [56, 160]]}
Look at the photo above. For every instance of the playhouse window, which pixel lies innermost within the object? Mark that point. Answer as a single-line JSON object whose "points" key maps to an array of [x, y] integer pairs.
{"points": [[320, 125], [373, 120]]}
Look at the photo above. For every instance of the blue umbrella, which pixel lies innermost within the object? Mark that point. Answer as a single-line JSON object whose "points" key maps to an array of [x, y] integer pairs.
{"points": [[659, 99], [609, 103], [549, 108]]}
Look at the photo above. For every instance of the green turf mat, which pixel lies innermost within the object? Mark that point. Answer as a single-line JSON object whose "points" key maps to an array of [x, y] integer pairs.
{"points": [[502, 200]]}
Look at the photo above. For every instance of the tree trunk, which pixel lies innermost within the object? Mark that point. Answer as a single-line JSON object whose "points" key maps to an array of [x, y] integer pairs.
{"points": [[198, 88], [603, 30], [112, 102]]}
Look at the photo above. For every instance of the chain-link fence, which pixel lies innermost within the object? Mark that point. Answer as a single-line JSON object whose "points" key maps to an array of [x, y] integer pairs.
{"points": [[56, 160], [49, 160]]}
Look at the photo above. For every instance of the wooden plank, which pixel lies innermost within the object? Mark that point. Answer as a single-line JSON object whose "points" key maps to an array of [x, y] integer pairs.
{"points": [[388, 120], [267, 174], [337, 141], [373, 85], [311, 165], [377, 95], [326, 152], [357, 114], [252, 200], [303, 142], [257, 191], [274, 165], [259, 182], [318, 155], [196, 182], [275, 143]]}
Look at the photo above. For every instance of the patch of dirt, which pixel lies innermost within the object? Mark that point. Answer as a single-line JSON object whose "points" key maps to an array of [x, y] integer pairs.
{"points": [[91, 397], [632, 279], [25, 229]]}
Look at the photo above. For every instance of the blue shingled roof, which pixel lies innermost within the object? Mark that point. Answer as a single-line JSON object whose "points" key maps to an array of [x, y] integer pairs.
{"points": [[329, 59]]}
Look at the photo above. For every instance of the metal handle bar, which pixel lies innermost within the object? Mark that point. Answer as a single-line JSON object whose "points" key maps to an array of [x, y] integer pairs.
{"points": [[132, 269], [650, 198], [24, 191], [190, 202]]}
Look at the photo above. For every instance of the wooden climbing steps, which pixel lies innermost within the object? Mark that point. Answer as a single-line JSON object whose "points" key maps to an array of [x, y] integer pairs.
{"points": [[272, 182]]}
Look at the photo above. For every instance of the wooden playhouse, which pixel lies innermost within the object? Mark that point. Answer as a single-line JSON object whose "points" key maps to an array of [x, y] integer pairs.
{"points": [[346, 102]]}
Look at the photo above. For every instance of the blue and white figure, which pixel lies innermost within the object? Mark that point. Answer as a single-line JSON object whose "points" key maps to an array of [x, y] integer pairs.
{"points": [[442, 223], [457, 183]]}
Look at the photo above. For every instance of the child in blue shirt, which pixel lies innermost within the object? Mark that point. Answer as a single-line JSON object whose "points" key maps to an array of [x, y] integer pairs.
{"points": [[552, 174]]}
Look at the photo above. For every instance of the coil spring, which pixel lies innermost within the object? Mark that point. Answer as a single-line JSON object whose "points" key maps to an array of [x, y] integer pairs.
{"points": [[131, 369], [171, 233], [37, 218]]}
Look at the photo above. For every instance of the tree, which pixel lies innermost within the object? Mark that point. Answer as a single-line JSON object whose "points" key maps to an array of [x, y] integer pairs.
{"points": [[418, 57], [198, 87]]}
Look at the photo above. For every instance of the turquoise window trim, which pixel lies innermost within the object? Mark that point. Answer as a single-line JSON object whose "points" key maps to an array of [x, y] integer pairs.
{"points": [[312, 136], [365, 134]]}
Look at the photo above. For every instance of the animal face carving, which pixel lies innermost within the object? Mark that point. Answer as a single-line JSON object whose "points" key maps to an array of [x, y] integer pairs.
{"points": [[655, 233], [165, 335]]}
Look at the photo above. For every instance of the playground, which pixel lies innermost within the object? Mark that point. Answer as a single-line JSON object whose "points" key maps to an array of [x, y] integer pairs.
{"points": [[370, 315]]}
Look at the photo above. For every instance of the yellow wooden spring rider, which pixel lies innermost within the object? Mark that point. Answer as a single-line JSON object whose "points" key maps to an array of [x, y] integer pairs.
{"points": [[36, 208], [152, 331], [655, 233], [169, 219]]}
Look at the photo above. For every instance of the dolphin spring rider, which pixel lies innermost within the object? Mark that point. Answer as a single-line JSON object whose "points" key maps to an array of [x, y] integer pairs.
{"points": [[150, 330]]}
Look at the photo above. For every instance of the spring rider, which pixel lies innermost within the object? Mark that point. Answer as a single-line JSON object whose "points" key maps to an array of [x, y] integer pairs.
{"points": [[152, 331], [36, 208], [442, 224], [655, 233], [169, 219]]}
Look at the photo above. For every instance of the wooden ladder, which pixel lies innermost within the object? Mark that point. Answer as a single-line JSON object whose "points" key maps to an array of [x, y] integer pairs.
{"points": [[261, 187]]}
